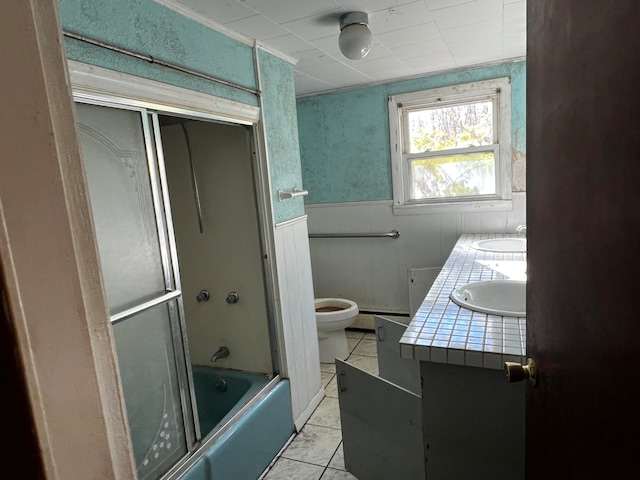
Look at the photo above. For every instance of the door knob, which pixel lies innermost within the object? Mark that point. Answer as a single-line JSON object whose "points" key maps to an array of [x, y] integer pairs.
{"points": [[516, 372]]}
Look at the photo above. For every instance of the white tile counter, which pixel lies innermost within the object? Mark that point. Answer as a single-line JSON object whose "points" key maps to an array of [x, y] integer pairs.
{"points": [[443, 332]]}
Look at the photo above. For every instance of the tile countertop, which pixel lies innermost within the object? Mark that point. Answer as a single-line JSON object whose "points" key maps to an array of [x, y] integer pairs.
{"points": [[443, 332]]}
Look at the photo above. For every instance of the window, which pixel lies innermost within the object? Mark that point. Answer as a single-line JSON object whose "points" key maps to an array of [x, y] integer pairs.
{"points": [[451, 146]]}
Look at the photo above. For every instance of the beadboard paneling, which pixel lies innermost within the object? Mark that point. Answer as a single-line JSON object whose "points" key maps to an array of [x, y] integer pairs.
{"points": [[302, 359]]}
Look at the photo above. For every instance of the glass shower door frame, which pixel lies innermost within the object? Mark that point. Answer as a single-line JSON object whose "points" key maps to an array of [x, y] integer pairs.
{"points": [[173, 296]]}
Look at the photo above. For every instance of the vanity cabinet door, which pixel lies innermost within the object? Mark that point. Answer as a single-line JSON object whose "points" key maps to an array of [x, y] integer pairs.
{"points": [[381, 427], [401, 371]]}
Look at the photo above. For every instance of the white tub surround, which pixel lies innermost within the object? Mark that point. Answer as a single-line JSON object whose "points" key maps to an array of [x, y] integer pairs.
{"points": [[443, 332]]}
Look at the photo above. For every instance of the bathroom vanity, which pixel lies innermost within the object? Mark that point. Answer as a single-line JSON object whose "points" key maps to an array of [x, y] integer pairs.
{"points": [[441, 406]]}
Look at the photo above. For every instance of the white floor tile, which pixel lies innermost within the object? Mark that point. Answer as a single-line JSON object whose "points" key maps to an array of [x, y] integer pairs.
{"points": [[331, 474], [314, 445], [352, 342], [326, 377], [327, 414], [331, 390], [285, 469], [328, 368], [354, 334], [366, 347], [337, 461]]}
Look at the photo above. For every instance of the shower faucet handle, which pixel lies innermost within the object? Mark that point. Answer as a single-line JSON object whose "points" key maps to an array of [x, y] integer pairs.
{"points": [[203, 296]]}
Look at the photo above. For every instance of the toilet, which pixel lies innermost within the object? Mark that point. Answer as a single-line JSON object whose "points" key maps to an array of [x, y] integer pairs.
{"points": [[333, 315]]}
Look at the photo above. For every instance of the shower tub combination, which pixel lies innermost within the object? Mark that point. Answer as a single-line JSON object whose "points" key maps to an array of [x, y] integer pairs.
{"points": [[143, 170], [244, 424]]}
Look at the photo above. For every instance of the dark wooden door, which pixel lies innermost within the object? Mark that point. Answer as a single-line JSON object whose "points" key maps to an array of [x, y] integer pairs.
{"points": [[583, 216]]}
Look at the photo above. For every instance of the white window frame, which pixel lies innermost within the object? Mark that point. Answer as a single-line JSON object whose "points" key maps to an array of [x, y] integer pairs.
{"points": [[399, 104]]}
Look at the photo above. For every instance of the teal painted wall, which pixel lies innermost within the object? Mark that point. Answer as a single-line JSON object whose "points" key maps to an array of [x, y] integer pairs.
{"points": [[344, 136], [149, 28], [279, 101]]}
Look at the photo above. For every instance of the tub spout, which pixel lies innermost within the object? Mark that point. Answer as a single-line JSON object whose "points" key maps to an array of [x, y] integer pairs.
{"points": [[221, 353]]}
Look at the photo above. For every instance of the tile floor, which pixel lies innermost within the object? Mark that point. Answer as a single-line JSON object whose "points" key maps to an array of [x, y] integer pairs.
{"points": [[316, 452]]}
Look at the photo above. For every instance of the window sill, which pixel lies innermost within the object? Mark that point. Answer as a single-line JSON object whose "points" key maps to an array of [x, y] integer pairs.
{"points": [[454, 207]]}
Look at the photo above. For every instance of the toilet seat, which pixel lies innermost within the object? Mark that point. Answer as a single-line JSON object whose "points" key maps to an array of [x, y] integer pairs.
{"points": [[350, 309]]}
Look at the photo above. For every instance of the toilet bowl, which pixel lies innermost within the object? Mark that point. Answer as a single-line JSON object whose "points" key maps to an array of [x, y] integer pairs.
{"points": [[333, 315]]}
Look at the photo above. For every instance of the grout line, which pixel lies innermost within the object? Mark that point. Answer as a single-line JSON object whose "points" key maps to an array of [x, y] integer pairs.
{"points": [[332, 455]]}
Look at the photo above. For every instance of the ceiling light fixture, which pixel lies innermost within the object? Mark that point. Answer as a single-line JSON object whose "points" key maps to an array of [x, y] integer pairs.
{"points": [[355, 38]]}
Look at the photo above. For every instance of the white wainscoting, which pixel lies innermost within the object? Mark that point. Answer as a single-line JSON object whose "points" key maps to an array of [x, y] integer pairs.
{"points": [[374, 272], [295, 284]]}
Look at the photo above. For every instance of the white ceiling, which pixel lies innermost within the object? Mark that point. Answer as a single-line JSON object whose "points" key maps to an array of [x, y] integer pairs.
{"points": [[411, 37]]}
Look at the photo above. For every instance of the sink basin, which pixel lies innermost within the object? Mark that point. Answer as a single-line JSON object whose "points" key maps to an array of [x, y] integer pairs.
{"points": [[502, 245], [497, 297]]}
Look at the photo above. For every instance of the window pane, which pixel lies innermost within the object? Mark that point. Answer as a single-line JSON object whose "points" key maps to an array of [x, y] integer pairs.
{"points": [[456, 126], [453, 176]]}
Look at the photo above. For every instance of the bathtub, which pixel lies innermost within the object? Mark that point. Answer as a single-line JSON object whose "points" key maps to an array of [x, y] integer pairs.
{"points": [[221, 393], [243, 448]]}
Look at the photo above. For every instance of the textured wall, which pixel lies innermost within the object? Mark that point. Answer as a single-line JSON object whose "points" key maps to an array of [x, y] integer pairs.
{"points": [[149, 28], [344, 136], [279, 103]]}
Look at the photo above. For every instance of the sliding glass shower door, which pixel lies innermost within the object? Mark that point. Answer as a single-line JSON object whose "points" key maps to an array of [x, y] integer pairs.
{"points": [[141, 282]]}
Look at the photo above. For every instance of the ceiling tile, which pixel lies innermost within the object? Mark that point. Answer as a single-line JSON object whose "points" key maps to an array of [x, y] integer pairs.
{"points": [[306, 84], [330, 46], [222, 11], [370, 68], [467, 13], [310, 59], [515, 46], [338, 74], [258, 27], [283, 11], [431, 63], [484, 48], [369, 6], [411, 37], [399, 17], [407, 36], [466, 32], [420, 49], [515, 12], [391, 73], [289, 44], [313, 28], [436, 4], [512, 29]]}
